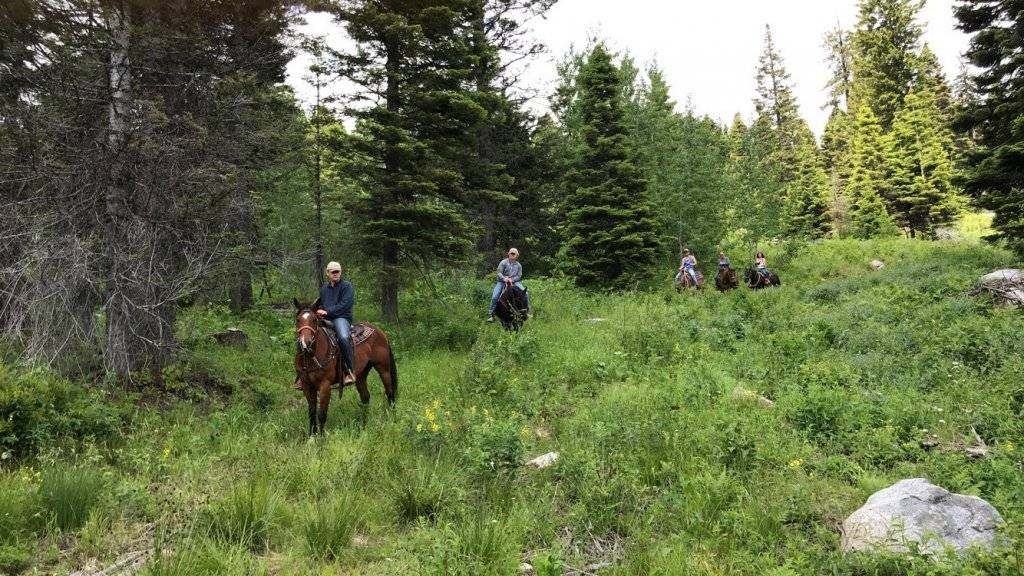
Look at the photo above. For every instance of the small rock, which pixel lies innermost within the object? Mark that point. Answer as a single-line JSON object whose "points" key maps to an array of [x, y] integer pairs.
{"points": [[526, 569], [232, 337], [877, 264], [360, 540], [915, 510], [741, 393], [980, 449], [595, 320], [1006, 286], [544, 460], [930, 441], [942, 233]]}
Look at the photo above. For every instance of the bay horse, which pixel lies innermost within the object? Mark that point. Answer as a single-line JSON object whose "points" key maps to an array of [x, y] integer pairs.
{"points": [[756, 279], [511, 308], [684, 281], [317, 356], [726, 280]]}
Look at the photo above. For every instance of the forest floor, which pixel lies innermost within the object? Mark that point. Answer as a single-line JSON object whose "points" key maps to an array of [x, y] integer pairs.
{"points": [[671, 462]]}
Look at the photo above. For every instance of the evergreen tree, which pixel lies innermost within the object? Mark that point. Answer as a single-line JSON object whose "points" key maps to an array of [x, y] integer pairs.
{"points": [[994, 172], [805, 186], [835, 153], [885, 47], [807, 212], [923, 194], [839, 57], [610, 231], [412, 60], [870, 155]]}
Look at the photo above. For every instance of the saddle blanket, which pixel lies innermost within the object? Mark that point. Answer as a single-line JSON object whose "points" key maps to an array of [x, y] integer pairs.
{"points": [[361, 332]]}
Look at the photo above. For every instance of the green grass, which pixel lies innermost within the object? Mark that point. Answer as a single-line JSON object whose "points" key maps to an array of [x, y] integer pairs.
{"points": [[67, 496], [669, 465]]}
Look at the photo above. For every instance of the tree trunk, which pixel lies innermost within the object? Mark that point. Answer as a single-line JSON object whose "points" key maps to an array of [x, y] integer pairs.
{"points": [[139, 315], [389, 286], [390, 276]]}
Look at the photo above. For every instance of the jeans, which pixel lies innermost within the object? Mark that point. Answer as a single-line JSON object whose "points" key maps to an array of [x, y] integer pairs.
{"points": [[344, 329], [497, 292], [693, 274]]}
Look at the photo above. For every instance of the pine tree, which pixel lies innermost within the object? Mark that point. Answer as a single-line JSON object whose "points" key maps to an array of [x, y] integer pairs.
{"points": [[839, 57], [807, 212], [870, 155], [412, 146], [885, 46], [805, 186], [994, 172], [923, 195], [610, 232]]}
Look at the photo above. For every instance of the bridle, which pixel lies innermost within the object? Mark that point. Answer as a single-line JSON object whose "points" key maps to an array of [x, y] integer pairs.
{"points": [[310, 353]]}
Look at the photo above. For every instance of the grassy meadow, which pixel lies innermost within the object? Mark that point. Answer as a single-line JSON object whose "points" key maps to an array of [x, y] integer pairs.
{"points": [[670, 462]]}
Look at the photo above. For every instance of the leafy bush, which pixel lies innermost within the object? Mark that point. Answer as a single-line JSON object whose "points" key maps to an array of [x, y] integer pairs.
{"points": [[38, 409]]}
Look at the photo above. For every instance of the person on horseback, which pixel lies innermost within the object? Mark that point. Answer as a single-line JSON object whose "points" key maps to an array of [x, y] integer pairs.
{"points": [[688, 265], [723, 263], [761, 263], [510, 273], [337, 299]]}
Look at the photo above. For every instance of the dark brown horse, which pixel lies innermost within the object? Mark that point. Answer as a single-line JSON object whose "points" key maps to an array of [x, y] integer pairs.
{"points": [[316, 362], [726, 280], [757, 279]]}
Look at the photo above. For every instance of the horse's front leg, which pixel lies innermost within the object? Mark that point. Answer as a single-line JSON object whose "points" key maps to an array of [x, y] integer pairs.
{"points": [[325, 401], [311, 403]]}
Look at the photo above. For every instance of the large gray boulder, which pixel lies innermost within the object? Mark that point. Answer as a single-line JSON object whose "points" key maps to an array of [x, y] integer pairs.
{"points": [[1006, 286], [916, 511]]}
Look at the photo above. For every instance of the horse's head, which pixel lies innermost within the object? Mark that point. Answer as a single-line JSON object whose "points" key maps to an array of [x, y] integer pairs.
{"points": [[306, 323], [748, 275]]}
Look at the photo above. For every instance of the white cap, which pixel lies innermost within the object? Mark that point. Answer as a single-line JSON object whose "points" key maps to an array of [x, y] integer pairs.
{"points": [[333, 266], [513, 251]]}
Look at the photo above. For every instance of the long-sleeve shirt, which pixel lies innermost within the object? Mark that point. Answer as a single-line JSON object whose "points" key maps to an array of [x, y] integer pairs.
{"points": [[338, 300], [511, 270]]}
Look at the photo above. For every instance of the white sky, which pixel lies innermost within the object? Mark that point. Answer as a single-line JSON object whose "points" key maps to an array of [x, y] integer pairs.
{"points": [[708, 50]]}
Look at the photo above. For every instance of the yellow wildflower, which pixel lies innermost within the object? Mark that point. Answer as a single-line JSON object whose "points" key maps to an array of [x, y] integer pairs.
{"points": [[167, 452], [419, 427], [434, 427], [796, 463]]}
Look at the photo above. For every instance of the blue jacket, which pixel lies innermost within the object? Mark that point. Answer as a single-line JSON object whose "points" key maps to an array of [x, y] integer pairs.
{"points": [[338, 300]]}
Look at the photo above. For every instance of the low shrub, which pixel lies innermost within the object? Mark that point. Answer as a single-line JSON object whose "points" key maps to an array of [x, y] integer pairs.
{"points": [[38, 409]]}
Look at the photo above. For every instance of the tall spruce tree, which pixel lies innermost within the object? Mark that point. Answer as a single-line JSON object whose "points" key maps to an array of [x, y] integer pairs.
{"points": [[886, 43], [804, 185], [923, 195], [412, 62], [994, 173], [870, 155], [610, 233]]}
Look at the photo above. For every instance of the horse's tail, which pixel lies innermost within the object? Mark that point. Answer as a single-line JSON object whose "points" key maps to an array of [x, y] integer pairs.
{"points": [[393, 368]]}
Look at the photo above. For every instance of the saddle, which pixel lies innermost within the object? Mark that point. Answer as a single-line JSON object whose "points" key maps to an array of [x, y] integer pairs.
{"points": [[361, 332]]}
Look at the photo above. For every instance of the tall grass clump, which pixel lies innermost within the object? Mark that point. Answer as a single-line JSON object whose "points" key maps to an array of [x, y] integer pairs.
{"points": [[247, 517], [328, 527], [478, 545], [67, 495]]}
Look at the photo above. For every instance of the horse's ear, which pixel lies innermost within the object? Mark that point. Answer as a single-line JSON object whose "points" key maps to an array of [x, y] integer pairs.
{"points": [[297, 305], [316, 304]]}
